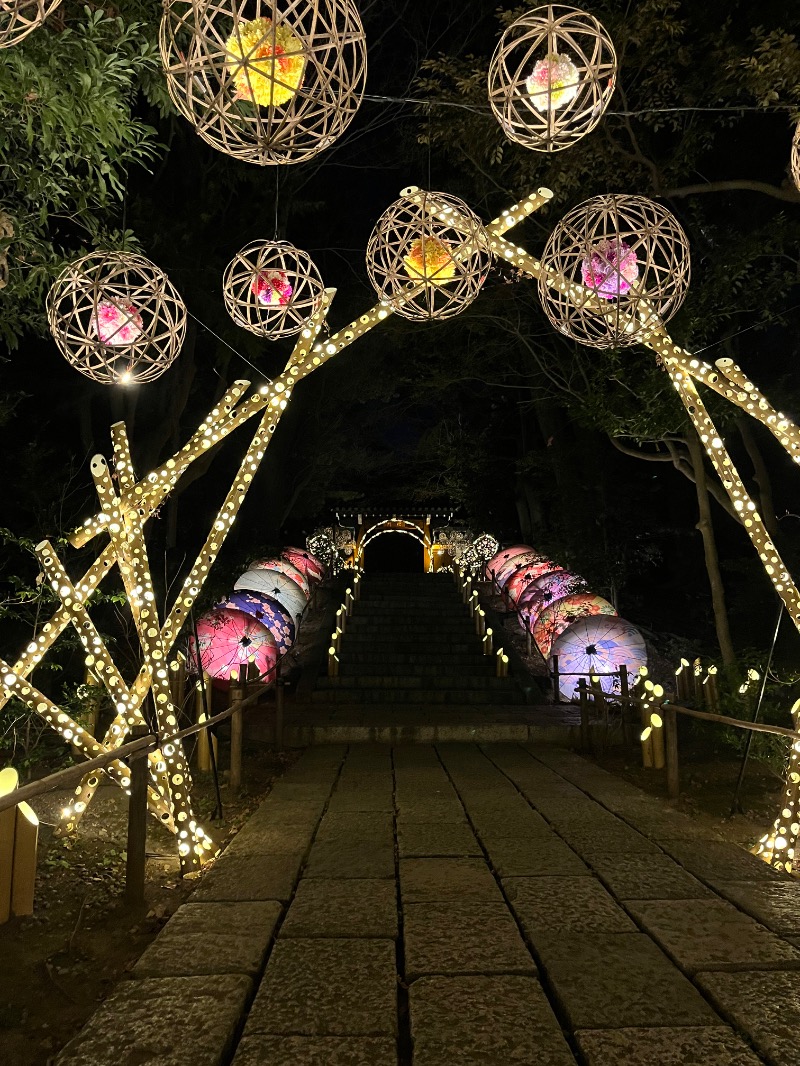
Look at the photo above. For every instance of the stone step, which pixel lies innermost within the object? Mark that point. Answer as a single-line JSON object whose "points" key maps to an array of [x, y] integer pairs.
{"points": [[442, 668], [409, 681], [404, 643], [389, 657], [380, 696], [407, 625], [371, 609]]}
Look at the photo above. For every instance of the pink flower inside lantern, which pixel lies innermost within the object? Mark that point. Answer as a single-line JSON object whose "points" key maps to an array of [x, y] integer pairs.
{"points": [[116, 323], [610, 268], [272, 288], [553, 82]]}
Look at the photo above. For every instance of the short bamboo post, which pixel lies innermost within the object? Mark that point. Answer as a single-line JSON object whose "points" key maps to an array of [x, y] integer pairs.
{"points": [[710, 690], [501, 660], [682, 687], [279, 694], [341, 619], [8, 783], [137, 824], [204, 738], [657, 736], [584, 701], [528, 640], [487, 641], [646, 736], [23, 876], [556, 681], [333, 662], [348, 602], [474, 602], [625, 692], [237, 691], [357, 587], [697, 672], [671, 738], [465, 590]]}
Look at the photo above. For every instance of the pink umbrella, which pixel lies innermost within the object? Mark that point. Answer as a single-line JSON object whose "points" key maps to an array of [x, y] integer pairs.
{"points": [[530, 558], [229, 639], [597, 645], [544, 590], [498, 560], [305, 562], [278, 587], [269, 612], [283, 566], [521, 578], [554, 619]]}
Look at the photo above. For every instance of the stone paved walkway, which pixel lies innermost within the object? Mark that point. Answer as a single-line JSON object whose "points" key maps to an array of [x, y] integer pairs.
{"points": [[456, 906]]}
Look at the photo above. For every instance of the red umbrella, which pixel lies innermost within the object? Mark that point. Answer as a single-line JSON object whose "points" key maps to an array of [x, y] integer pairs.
{"points": [[498, 560], [229, 639], [306, 563], [529, 558], [521, 578], [544, 590], [554, 619], [285, 567]]}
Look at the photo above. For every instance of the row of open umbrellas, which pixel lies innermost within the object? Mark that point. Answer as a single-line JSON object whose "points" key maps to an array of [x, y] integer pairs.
{"points": [[566, 620], [258, 621]]}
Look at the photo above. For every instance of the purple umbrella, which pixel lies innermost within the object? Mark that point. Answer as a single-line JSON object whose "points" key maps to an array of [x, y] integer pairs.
{"points": [[267, 611], [599, 644]]}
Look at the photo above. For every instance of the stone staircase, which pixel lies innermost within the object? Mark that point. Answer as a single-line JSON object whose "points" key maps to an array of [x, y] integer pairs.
{"points": [[410, 641]]}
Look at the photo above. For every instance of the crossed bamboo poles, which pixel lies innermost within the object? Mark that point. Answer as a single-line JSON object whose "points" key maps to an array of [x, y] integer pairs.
{"points": [[123, 516]]}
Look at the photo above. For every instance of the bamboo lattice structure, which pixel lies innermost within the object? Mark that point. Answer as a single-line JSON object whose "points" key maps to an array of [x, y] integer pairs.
{"points": [[126, 507], [795, 158], [265, 82], [428, 255], [18, 18], [272, 289], [552, 77], [116, 317]]}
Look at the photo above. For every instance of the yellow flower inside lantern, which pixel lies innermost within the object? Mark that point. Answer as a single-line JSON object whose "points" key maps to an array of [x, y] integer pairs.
{"points": [[267, 62], [430, 260]]}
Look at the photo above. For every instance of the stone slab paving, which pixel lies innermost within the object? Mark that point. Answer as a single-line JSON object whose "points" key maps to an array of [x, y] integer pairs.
{"points": [[455, 904]]}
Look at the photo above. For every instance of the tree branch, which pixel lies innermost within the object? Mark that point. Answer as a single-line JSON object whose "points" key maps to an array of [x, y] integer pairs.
{"points": [[787, 192]]}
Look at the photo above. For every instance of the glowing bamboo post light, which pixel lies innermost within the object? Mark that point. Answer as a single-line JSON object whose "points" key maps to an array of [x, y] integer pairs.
{"points": [[8, 782], [23, 877], [487, 641]]}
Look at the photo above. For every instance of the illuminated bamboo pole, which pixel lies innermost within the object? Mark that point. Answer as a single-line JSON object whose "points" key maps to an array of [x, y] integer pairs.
{"points": [[8, 783], [23, 873], [194, 845]]}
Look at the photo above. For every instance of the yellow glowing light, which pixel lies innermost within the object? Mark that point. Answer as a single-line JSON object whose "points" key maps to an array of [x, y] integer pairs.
{"points": [[430, 259], [267, 62]]}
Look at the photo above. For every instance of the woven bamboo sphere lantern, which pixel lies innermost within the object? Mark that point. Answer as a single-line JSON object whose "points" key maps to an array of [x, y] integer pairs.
{"points": [[551, 77], [263, 81], [116, 317], [428, 255], [796, 155], [18, 18], [614, 268], [272, 288]]}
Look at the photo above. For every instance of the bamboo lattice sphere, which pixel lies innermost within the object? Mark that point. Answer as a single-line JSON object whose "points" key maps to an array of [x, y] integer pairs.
{"points": [[265, 82], [116, 317], [428, 255], [551, 77], [272, 289], [613, 268], [796, 155], [19, 17]]}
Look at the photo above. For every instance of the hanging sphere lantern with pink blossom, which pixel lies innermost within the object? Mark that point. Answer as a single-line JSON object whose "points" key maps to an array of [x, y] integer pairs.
{"points": [[272, 289]]}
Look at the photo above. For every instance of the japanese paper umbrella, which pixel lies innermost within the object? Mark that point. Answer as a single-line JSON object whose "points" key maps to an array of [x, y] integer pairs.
{"points": [[306, 563], [277, 586], [269, 612], [283, 566], [229, 639], [498, 560], [521, 577], [599, 644], [530, 558], [553, 620]]}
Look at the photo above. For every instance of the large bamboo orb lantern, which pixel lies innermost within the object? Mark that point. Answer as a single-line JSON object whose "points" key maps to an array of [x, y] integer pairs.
{"points": [[18, 18], [614, 268], [551, 77], [116, 317], [265, 82], [796, 155], [428, 255], [272, 289]]}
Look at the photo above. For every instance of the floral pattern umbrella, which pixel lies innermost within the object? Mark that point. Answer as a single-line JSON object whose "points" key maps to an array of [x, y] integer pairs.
{"points": [[283, 566], [269, 612], [529, 558], [229, 639], [278, 587], [306, 563], [495, 564], [543, 591], [597, 645], [554, 619], [521, 578]]}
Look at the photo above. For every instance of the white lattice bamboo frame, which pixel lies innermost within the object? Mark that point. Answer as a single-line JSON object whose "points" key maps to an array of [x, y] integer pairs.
{"points": [[18, 18], [556, 123], [124, 513], [201, 75], [260, 260], [795, 159], [147, 303], [590, 233], [415, 221]]}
